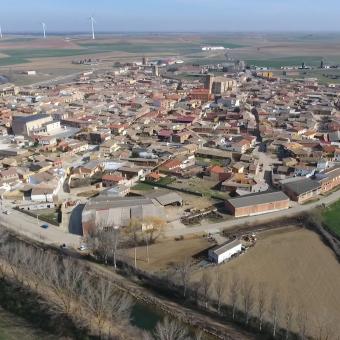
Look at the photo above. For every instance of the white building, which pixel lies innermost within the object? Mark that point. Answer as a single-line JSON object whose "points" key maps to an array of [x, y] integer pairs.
{"points": [[225, 251], [213, 48]]}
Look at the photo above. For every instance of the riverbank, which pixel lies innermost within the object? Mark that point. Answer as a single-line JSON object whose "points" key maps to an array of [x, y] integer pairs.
{"points": [[13, 327]]}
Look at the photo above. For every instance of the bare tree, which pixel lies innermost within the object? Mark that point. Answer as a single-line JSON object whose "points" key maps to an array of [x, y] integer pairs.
{"points": [[234, 291], [219, 287], [170, 330], [302, 320], [261, 303], [247, 292], [323, 326], [274, 311], [205, 286], [153, 228], [104, 305], [288, 316], [184, 271], [104, 242]]}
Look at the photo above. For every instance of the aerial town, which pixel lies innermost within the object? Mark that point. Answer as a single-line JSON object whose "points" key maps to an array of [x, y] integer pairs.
{"points": [[168, 149], [144, 145]]}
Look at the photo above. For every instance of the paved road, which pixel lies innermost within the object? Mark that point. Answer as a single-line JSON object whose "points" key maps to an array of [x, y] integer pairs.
{"points": [[214, 227], [30, 227]]}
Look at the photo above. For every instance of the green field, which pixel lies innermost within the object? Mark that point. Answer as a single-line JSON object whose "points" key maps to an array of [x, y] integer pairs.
{"points": [[331, 217], [287, 61]]}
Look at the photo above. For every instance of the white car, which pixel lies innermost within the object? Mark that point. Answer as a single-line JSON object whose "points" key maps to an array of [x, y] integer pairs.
{"points": [[7, 212]]}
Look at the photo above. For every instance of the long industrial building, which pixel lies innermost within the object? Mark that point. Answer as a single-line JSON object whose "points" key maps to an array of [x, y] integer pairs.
{"points": [[257, 204]]}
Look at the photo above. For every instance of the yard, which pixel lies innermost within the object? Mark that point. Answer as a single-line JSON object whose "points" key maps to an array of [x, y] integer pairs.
{"points": [[331, 217], [204, 187], [164, 254]]}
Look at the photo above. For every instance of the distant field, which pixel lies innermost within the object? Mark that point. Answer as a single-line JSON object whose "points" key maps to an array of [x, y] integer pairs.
{"points": [[287, 61], [22, 50], [331, 217]]}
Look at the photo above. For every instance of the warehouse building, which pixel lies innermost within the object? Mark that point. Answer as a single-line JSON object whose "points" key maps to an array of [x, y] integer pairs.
{"points": [[225, 251], [301, 189], [106, 212], [257, 204]]}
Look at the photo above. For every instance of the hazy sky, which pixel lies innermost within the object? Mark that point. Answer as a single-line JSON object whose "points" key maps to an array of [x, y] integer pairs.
{"points": [[171, 15]]}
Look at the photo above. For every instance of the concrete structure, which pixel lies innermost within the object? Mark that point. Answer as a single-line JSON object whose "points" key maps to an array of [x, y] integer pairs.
{"points": [[225, 251], [257, 204]]}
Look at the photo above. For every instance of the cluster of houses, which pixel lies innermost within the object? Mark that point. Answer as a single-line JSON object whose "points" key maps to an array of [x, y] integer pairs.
{"points": [[115, 129]]}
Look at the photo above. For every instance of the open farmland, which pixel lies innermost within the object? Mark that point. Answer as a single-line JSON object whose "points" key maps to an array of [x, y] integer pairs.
{"points": [[295, 263]]}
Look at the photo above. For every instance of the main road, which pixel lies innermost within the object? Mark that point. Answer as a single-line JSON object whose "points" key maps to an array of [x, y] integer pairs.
{"points": [[30, 227]]}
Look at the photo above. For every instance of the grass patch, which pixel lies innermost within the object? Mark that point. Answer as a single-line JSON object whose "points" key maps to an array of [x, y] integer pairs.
{"points": [[142, 187], [331, 217], [166, 180]]}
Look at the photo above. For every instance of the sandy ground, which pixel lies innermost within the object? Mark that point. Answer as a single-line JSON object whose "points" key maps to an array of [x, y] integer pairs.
{"points": [[165, 254], [297, 265]]}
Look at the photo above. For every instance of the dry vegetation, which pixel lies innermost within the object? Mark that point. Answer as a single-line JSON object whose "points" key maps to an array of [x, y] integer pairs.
{"points": [[166, 254], [296, 265]]}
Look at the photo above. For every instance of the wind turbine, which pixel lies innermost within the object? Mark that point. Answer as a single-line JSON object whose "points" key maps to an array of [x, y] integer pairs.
{"points": [[92, 20], [44, 29]]}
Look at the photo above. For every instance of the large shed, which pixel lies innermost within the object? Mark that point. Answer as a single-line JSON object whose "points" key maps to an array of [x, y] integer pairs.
{"points": [[252, 205]]}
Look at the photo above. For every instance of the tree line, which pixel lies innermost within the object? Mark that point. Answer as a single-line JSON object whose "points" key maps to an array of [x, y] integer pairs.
{"points": [[67, 290], [255, 306]]}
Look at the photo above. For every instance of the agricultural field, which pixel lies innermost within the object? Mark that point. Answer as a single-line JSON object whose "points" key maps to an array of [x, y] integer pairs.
{"points": [[52, 58], [331, 217], [296, 264]]}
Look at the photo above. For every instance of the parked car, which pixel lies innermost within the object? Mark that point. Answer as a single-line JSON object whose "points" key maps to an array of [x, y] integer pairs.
{"points": [[44, 226], [7, 212]]}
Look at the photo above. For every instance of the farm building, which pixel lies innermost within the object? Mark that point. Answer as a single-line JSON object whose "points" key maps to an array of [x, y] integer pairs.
{"points": [[165, 197], [301, 189], [257, 204], [225, 251], [105, 211]]}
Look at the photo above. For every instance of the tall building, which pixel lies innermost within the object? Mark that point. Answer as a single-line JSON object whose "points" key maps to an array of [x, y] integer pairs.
{"points": [[145, 61], [208, 82], [155, 70]]}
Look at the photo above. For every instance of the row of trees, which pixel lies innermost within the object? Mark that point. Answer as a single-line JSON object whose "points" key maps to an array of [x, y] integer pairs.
{"points": [[254, 305], [106, 241], [67, 289]]}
